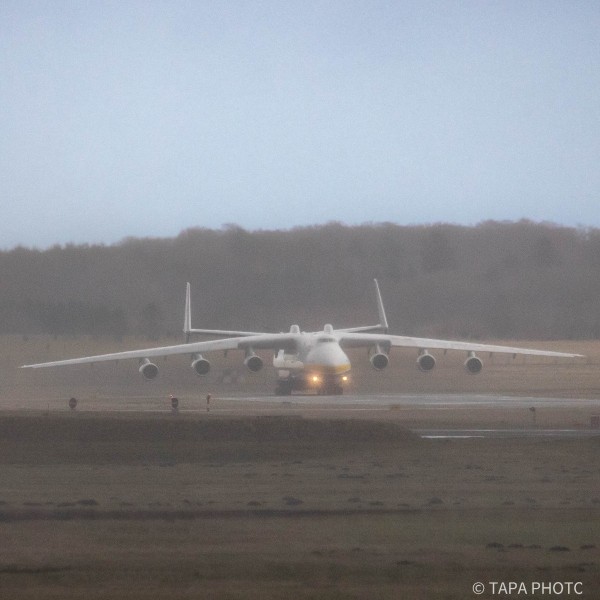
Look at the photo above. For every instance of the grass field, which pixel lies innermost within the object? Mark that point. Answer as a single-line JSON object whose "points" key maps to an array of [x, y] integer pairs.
{"points": [[99, 506], [271, 501]]}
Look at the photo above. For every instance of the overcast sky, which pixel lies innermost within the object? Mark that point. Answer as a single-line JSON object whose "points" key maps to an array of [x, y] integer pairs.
{"points": [[144, 118]]}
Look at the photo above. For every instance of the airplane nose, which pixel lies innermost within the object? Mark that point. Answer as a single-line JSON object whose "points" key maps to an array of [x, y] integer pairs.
{"points": [[328, 359]]}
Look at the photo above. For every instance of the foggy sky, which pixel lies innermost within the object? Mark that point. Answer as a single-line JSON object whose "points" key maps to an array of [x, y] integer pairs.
{"points": [[143, 118]]}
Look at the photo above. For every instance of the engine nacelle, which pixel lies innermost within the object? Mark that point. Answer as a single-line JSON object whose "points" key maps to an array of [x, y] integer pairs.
{"points": [[254, 363], [380, 361], [200, 365], [473, 364], [425, 362], [148, 370]]}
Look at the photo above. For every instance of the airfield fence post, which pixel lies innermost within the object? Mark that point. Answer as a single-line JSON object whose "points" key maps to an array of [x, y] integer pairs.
{"points": [[533, 415]]}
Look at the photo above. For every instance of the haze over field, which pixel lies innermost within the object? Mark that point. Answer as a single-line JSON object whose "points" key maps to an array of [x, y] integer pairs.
{"points": [[502, 280], [145, 118]]}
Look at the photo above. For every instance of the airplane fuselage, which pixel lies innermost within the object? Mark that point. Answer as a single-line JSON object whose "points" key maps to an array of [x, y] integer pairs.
{"points": [[318, 363]]}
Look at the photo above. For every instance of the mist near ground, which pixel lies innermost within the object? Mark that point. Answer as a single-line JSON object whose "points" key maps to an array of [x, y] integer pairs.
{"points": [[496, 279]]}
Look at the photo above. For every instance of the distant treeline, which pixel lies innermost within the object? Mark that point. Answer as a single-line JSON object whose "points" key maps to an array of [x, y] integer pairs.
{"points": [[495, 280]]}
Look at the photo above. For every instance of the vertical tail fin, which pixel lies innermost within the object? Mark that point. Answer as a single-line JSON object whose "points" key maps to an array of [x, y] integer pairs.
{"points": [[187, 318], [382, 318]]}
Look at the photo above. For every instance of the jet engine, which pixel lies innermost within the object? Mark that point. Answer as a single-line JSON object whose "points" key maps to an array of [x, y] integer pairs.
{"points": [[148, 370], [425, 362], [379, 360], [200, 365], [253, 362], [473, 364]]}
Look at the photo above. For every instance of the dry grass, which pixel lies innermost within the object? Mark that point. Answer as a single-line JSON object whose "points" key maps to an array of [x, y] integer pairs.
{"points": [[138, 506], [380, 556]]}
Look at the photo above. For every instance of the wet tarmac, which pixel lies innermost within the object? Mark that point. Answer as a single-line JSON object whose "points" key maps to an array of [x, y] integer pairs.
{"points": [[505, 433], [453, 407]]}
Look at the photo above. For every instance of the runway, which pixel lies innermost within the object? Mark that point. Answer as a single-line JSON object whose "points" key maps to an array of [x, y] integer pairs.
{"points": [[454, 405], [434, 401], [431, 416], [505, 433]]}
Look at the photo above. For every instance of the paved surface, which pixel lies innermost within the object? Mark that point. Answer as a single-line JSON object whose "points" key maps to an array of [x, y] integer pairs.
{"points": [[505, 433], [450, 403], [439, 416], [436, 401]]}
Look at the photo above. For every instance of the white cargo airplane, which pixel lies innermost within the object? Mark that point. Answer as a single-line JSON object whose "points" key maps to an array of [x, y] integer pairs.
{"points": [[304, 361]]}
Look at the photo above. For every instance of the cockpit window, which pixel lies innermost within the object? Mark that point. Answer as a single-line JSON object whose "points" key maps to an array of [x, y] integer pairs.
{"points": [[325, 339]]}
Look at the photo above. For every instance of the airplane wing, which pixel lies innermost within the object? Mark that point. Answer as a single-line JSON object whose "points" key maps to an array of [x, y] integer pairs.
{"points": [[357, 340], [274, 341], [223, 332], [358, 337]]}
